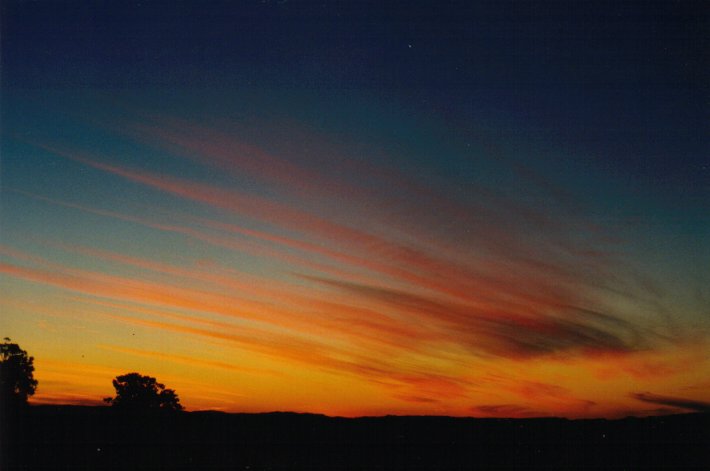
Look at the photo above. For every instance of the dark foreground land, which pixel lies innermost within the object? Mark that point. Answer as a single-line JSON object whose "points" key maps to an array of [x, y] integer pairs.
{"points": [[65, 437]]}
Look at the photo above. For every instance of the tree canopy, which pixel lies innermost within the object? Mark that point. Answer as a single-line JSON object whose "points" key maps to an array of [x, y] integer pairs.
{"points": [[17, 381], [138, 392]]}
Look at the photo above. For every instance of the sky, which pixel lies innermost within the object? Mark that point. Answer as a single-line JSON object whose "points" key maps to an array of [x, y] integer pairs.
{"points": [[487, 209]]}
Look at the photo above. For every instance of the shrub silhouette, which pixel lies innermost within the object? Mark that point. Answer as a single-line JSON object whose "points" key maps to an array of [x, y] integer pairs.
{"points": [[137, 392], [17, 381]]}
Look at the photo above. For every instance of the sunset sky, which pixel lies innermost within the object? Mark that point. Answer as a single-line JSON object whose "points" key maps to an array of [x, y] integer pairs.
{"points": [[481, 209]]}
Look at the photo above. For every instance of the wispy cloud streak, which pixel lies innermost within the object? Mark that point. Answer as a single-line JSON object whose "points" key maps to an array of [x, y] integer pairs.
{"points": [[519, 307], [681, 403]]}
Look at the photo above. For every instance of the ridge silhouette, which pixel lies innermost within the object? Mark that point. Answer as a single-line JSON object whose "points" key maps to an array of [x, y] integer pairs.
{"points": [[137, 433]]}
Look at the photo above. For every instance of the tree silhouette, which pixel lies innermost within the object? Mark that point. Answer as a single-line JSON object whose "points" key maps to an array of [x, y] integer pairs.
{"points": [[17, 381], [137, 392]]}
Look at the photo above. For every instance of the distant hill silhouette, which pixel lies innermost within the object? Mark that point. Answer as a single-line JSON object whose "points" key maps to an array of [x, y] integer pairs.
{"points": [[75, 437]]}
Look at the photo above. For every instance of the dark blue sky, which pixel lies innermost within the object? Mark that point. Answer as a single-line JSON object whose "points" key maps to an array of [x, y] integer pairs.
{"points": [[624, 82]]}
